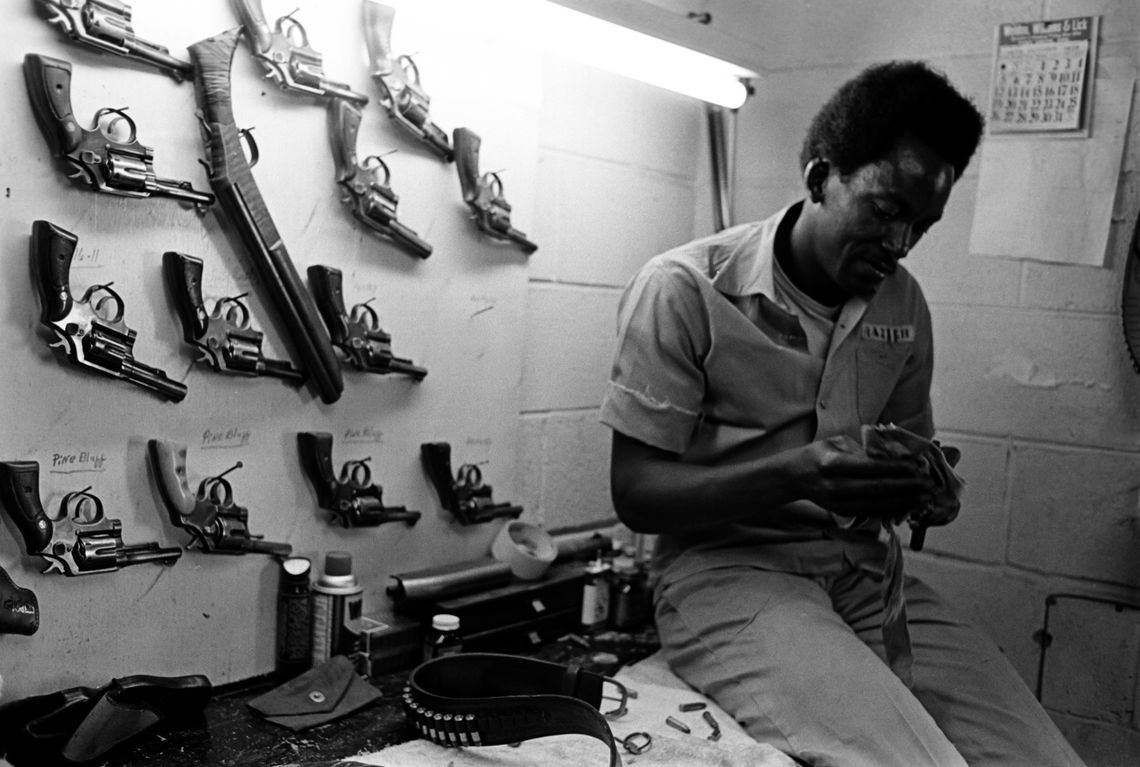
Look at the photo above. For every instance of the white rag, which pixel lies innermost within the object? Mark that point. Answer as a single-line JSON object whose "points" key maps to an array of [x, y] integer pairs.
{"points": [[659, 692]]}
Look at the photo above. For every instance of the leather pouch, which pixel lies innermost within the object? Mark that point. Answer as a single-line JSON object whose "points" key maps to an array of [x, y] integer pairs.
{"points": [[322, 694], [19, 608]]}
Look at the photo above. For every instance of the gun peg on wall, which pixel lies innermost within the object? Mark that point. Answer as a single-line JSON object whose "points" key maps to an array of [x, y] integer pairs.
{"points": [[106, 26]]}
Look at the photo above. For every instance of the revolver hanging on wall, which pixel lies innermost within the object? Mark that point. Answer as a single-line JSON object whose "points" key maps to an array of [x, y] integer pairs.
{"points": [[90, 330], [364, 185], [223, 336], [106, 25], [81, 540], [216, 524], [484, 193], [399, 81], [104, 157], [358, 333], [353, 498], [286, 55], [464, 495]]}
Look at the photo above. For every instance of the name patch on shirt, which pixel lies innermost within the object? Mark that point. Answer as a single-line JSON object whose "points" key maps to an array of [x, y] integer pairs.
{"points": [[890, 334]]}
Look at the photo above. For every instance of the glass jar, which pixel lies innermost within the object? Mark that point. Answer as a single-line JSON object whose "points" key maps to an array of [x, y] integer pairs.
{"points": [[443, 637]]}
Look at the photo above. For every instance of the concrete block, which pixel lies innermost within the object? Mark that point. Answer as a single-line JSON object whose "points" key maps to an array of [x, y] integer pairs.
{"points": [[1074, 512], [1064, 287], [600, 220], [979, 532], [1035, 374], [570, 334], [1091, 663], [1100, 744], [593, 113]]}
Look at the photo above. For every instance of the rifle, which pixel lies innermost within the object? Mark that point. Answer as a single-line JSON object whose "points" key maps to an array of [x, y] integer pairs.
{"points": [[81, 540], [287, 57], [354, 499], [398, 79], [216, 524], [484, 194], [464, 495], [223, 336], [91, 330], [357, 334], [100, 156], [106, 25], [232, 181], [364, 186]]}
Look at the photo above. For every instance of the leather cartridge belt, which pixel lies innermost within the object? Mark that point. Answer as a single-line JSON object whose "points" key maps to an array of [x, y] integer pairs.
{"points": [[490, 699]]}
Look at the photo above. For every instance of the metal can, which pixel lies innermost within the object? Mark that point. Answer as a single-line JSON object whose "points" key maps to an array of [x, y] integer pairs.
{"points": [[337, 609]]}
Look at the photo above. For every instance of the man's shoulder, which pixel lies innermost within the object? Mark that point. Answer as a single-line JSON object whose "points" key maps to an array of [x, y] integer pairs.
{"points": [[900, 292], [707, 255]]}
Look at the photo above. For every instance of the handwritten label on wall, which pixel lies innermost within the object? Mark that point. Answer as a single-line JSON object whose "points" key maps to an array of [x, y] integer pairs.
{"points": [[225, 438], [77, 462], [87, 258], [364, 434]]}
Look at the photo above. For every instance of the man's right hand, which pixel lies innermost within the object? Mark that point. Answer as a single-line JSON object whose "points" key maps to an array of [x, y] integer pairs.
{"points": [[838, 475]]}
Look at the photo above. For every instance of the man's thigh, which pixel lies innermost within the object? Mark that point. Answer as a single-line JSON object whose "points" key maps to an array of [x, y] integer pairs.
{"points": [[771, 650], [964, 680]]}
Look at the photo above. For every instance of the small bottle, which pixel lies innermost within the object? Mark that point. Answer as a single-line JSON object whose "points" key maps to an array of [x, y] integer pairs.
{"points": [[337, 609], [596, 596], [631, 595], [443, 637], [294, 617]]}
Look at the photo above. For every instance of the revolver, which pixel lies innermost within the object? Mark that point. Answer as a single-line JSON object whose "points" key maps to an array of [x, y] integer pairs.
{"points": [[223, 336], [81, 540], [364, 185], [353, 498], [399, 81], [216, 524], [484, 194], [356, 333], [286, 55], [106, 25], [91, 330], [465, 495], [104, 157]]}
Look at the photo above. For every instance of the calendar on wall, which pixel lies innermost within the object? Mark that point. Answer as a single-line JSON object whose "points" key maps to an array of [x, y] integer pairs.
{"points": [[1042, 77]]}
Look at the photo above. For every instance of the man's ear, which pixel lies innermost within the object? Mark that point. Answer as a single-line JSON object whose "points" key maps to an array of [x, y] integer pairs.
{"points": [[815, 178]]}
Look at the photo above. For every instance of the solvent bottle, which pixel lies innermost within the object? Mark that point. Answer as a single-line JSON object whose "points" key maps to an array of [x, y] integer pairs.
{"points": [[596, 596], [443, 637], [294, 617]]}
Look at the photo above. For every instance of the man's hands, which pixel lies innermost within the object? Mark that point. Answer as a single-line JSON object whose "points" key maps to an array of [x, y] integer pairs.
{"points": [[837, 474]]}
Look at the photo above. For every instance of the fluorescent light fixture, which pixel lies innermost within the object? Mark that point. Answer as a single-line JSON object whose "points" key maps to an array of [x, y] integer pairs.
{"points": [[607, 34]]}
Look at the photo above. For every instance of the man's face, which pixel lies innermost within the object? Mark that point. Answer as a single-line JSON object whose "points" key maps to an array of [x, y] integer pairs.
{"points": [[870, 219]]}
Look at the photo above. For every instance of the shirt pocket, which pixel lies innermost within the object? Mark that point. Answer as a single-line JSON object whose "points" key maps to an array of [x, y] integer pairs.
{"points": [[878, 368]]}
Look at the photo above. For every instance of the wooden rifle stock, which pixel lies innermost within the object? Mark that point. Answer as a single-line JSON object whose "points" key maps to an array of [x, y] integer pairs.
{"points": [[237, 192]]}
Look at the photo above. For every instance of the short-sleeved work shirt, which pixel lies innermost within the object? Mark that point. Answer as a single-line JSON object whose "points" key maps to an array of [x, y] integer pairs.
{"points": [[709, 367]]}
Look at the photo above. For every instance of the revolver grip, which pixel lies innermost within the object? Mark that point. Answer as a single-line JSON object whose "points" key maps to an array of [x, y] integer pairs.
{"points": [[345, 125], [256, 26], [315, 448], [52, 251], [378, 37], [168, 461], [467, 144], [184, 276], [436, 458], [20, 495], [328, 291], [49, 89]]}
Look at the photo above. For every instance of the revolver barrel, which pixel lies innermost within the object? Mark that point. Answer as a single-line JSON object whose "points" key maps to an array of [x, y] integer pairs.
{"points": [[152, 379], [408, 239]]}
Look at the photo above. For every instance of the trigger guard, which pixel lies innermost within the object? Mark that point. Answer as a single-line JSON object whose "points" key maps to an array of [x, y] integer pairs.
{"points": [[105, 294], [120, 115], [287, 25], [67, 510], [372, 163], [217, 490], [357, 474], [469, 475], [365, 315], [411, 71], [246, 135], [232, 311]]}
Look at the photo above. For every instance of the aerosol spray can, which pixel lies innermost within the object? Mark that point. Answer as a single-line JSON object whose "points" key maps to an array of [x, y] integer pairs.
{"points": [[294, 617], [337, 609]]}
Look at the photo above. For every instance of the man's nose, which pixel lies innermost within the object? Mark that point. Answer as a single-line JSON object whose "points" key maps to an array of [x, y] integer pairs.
{"points": [[899, 239]]}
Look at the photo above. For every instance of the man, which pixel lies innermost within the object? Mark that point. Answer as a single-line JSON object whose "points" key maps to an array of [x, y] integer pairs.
{"points": [[746, 364]]}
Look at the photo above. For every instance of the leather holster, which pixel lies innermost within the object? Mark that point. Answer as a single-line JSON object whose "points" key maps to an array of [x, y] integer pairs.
{"points": [[19, 608]]}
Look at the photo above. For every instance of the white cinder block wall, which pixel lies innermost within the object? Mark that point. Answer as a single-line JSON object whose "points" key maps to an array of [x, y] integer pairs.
{"points": [[1032, 378]]}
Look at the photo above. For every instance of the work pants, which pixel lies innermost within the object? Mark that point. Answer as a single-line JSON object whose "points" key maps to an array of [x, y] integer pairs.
{"points": [[799, 662]]}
